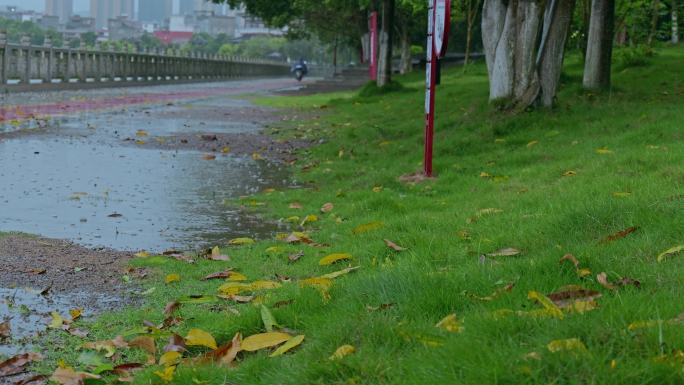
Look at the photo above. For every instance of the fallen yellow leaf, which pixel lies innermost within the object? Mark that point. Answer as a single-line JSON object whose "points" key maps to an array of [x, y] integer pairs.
{"points": [[670, 252], [570, 344], [241, 241], [342, 352], [166, 374], [289, 345], [332, 258], [172, 278], [170, 358], [548, 305], [368, 227], [198, 337], [264, 340], [450, 323]]}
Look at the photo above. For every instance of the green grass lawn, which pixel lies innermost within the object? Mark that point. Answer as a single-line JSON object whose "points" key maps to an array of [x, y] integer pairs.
{"points": [[547, 183]]}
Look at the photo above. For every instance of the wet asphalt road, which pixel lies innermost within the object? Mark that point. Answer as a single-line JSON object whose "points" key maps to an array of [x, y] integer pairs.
{"points": [[77, 174]]}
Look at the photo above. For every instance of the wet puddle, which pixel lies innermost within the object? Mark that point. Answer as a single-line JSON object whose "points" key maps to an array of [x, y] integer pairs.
{"points": [[77, 180], [76, 177], [29, 313]]}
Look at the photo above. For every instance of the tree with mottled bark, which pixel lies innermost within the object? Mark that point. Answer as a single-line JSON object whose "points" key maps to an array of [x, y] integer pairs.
{"points": [[597, 65], [524, 43], [675, 22]]}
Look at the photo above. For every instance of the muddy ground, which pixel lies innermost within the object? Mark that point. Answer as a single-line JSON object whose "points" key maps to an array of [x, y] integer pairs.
{"points": [[60, 266]]}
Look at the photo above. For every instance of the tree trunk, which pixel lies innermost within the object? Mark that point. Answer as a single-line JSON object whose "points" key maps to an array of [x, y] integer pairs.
{"points": [[557, 20], [386, 38], [654, 21], [510, 33], [675, 23], [599, 45], [469, 39], [406, 57]]}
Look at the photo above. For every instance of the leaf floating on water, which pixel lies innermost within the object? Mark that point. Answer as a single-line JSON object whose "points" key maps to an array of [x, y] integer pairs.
{"points": [[568, 345], [57, 321], [75, 314], [142, 254], [393, 245], [209, 157], [333, 258], [342, 352], [619, 234], [141, 133], [368, 227], [507, 252], [241, 241], [264, 340], [289, 345], [670, 252], [257, 156], [450, 323], [198, 337]]}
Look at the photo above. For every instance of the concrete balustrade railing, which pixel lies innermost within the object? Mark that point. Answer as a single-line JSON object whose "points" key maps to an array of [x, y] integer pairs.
{"points": [[26, 65]]}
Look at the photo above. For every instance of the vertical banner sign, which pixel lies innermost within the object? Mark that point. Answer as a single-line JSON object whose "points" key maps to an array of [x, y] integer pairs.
{"points": [[373, 62], [439, 20]]}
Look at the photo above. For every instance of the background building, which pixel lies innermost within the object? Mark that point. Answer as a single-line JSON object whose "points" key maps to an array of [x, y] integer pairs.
{"points": [[154, 11], [103, 10], [63, 9]]}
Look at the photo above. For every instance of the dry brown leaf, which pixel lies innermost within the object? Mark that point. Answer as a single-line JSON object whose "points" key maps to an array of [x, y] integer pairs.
{"points": [[176, 344], [144, 343], [220, 275], [571, 258], [602, 279], [39, 379], [328, 207], [393, 245], [17, 364], [209, 157], [565, 299], [295, 257], [619, 234], [5, 330], [171, 307], [383, 306], [225, 355], [296, 206], [78, 333], [68, 376]]}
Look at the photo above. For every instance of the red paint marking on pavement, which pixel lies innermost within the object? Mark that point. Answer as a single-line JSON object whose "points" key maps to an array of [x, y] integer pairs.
{"points": [[64, 108]]}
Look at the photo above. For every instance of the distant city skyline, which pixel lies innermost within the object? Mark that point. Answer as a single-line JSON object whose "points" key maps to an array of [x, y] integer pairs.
{"points": [[84, 5]]}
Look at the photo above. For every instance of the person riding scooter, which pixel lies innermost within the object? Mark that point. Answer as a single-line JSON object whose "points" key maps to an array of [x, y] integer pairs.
{"points": [[300, 69]]}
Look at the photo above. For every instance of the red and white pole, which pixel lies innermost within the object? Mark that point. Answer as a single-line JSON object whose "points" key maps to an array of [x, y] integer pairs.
{"points": [[439, 20], [373, 62], [430, 76]]}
